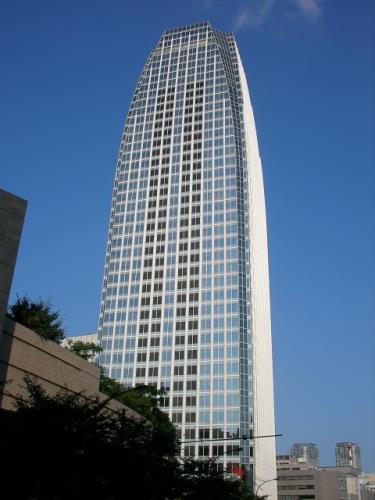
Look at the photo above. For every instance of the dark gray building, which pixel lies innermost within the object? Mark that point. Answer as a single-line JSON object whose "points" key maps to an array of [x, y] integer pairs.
{"points": [[12, 214]]}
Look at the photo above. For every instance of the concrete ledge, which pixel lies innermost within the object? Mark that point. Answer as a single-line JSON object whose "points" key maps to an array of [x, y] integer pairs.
{"points": [[25, 353]]}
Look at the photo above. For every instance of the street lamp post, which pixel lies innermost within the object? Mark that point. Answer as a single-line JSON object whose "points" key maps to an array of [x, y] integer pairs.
{"points": [[264, 482]]}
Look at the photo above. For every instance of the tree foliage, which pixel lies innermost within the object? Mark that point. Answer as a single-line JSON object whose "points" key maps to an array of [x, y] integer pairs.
{"points": [[85, 350], [39, 317], [67, 446], [144, 400], [204, 480]]}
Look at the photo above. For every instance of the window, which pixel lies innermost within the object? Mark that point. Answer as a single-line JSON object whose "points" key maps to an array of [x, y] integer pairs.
{"points": [[203, 451], [178, 385], [190, 417], [178, 370], [153, 371], [141, 372], [191, 385]]}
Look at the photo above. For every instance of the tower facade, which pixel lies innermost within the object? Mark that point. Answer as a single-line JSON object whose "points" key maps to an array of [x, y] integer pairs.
{"points": [[306, 453], [348, 453], [185, 302]]}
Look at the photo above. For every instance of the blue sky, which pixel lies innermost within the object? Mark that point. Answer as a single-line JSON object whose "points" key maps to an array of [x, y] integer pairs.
{"points": [[68, 71]]}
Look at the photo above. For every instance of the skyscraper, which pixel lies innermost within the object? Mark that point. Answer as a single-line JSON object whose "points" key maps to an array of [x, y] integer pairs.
{"points": [[185, 302], [348, 453], [306, 453]]}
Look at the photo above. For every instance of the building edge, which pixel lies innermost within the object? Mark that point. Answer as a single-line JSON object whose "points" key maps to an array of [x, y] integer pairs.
{"points": [[263, 391]]}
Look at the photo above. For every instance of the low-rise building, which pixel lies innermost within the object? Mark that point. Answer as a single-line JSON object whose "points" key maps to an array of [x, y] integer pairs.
{"points": [[91, 338], [367, 486], [25, 353], [12, 214], [88, 338], [318, 483], [287, 462]]}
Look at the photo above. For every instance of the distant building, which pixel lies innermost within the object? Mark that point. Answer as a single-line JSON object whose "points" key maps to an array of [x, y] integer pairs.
{"points": [[367, 485], [306, 453], [87, 337], [12, 214], [348, 453], [283, 461], [90, 338], [287, 462], [318, 483]]}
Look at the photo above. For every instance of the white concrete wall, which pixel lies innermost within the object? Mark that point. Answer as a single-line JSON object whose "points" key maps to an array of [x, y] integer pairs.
{"points": [[264, 420]]}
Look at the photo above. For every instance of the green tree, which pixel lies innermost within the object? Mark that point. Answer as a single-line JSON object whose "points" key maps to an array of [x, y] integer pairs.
{"points": [[39, 317], [203, 480], [67, 446], [145, 400], [195, 479], [86, 350]]}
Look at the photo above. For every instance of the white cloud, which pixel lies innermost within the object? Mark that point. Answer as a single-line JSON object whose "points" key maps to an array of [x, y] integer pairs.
{"points": [[208, 4], [311, 9], [241, 19], [253, 14]]}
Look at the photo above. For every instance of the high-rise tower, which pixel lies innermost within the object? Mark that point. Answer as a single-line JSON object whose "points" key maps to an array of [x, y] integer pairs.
{"points": [[305, 453], [348, 453], [185, 303]]}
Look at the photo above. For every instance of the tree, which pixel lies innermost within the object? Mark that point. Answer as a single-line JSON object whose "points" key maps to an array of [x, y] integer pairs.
{"points": [[203, 480], [39, 317], [86, 350], [67, 446], [145, 400], [195, 479]]}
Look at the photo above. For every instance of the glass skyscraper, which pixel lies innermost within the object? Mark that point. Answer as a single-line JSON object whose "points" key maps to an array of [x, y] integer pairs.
{"points": [[185, 302], [348, 453], [305, 453]]}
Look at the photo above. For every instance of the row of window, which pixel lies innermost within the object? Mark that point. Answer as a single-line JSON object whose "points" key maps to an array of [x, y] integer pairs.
{"points": [[132, 245], [217, 400], [218, 256], [216, 451], [170, 286], [179, 370], [154, 356]]}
